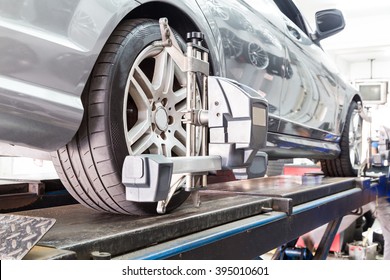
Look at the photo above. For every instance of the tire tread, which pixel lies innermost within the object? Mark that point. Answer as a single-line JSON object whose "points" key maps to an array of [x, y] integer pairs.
{"points": [[87, 165]]}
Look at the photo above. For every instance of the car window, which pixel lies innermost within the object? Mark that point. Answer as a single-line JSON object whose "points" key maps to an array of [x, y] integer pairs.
{"points": [[288, 8]]}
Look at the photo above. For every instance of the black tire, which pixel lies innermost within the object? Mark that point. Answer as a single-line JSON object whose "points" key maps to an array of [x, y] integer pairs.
{"points": [[90, 165], [349, 161]]}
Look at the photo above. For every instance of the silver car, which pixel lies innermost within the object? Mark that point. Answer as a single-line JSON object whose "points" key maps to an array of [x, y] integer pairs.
{"points": [[82, 79]]}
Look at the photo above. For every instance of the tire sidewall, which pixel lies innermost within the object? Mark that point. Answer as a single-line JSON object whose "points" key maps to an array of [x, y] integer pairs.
{"points": [[141, 37]]}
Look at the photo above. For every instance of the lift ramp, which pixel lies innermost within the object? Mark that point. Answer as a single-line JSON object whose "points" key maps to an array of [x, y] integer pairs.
{"points": [[237, 220]]}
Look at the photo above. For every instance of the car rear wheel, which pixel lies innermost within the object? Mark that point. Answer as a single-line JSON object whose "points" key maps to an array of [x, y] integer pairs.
{"points": [[350, 159], [134, 104]]}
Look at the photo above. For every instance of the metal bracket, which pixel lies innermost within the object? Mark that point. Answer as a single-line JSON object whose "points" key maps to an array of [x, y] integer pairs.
{"points": [[363, 183], [148, 177], [187, 63], [283, 205], [194, 62], [166, 33]]}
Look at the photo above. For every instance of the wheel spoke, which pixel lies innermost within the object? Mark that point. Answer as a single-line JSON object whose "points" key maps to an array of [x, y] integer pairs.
{"points": [[145, 87], [174, 147], [137, 131], [179, 148], [355, 139], [180, 95], [143, 144], [180, 101], [181, 76], [177, 100], [180, 134], [163, 73]]}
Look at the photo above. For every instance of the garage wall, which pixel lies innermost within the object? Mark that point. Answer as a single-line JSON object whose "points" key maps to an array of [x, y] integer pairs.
{"points": [[362, 70], [378, 70], [26, 168]]}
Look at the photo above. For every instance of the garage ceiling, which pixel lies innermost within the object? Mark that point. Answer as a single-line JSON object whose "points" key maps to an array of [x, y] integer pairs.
{"points": [[365, 36]]}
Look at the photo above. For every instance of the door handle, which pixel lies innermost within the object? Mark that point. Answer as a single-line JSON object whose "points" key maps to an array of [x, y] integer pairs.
{"points": [[294, 32]]}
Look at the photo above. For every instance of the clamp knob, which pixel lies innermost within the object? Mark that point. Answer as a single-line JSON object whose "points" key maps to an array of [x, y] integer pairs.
{"points": [[195, 37]]}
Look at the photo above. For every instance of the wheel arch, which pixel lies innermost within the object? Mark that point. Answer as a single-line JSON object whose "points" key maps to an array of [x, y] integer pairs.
{"points": [[357, 98], [354, 98], [182, 22]]}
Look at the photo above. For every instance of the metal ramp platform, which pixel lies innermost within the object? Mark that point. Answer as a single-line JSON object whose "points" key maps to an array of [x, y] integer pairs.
{"points": [[237, 220]]}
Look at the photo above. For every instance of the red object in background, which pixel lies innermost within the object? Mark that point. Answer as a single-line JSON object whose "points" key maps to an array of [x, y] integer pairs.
{"points": [[336, 245], [221, 176], [300, 170]]}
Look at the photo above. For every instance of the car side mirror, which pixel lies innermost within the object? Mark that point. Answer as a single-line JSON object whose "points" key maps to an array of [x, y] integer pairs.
{"points": [[329, 22]]}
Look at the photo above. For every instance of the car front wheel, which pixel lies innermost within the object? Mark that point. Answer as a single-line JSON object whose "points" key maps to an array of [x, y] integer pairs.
{"points": [[350, 159], [134, 103]]}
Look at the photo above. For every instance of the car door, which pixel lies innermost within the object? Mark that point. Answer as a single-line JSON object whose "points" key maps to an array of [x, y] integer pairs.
{"points": [[310, 102], [250, 37]]}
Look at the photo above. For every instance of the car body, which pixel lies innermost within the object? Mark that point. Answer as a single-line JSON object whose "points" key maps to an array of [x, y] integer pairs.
{"points": [[51, 48]]}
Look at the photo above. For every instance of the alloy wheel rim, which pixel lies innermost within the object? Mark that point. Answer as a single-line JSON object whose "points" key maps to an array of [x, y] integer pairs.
{"points": [[355, 140], [154, 106]]}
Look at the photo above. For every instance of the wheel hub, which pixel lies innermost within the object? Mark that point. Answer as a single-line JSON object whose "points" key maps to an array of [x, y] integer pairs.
{"points": [[161, 119]]}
